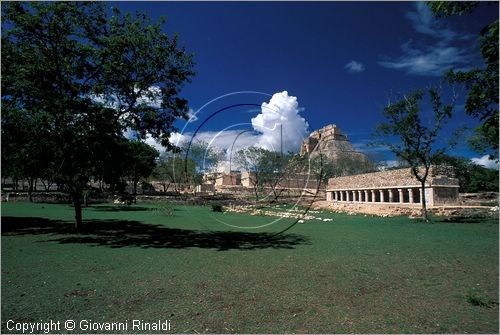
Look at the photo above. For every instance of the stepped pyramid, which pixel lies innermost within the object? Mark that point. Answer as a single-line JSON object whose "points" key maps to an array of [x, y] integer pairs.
{"points": [[330, 142]]}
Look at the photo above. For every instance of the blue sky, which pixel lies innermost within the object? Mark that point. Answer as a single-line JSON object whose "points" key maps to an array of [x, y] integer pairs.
{"points": [[341, 60]]}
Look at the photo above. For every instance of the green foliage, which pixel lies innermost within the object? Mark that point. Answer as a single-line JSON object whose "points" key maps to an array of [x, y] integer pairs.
{"points": [[251, 159], [140, 160], [268, 168], [407, 136], [410, 138], [217, 208], [83, 78], [447, 8], [472, 177], [482, 83], [477, 299], [187, 165]]}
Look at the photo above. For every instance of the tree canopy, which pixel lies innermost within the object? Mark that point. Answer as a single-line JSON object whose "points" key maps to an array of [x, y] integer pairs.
{"points": [[481, 82], [412, 139], [85, 77]]}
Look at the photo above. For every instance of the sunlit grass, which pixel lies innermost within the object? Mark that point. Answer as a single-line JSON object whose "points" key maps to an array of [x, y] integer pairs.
{"points": [[204, 273]]}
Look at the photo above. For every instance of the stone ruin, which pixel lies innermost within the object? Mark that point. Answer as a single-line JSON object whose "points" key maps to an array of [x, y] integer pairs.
{"points": [[395, 187], [330, 142]]}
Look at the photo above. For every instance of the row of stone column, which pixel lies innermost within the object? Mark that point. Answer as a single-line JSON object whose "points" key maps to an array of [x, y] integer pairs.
{"points": [[399, 195]]}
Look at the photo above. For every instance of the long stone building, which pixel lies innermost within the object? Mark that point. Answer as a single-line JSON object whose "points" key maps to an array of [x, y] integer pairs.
{"points": [[395, 187]]}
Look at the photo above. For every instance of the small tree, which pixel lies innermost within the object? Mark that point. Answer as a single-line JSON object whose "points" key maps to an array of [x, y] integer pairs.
{"points": [[251, 160], [141, 161], [273, 170], [205, 159], [412, 140]]}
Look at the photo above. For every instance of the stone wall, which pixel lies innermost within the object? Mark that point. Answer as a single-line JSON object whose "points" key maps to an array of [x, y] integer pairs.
{"points": [[438, 176], [395, 187]]}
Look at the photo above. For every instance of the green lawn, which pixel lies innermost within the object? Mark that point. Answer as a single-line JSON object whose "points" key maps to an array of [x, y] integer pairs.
{"points": [[353, 274]]}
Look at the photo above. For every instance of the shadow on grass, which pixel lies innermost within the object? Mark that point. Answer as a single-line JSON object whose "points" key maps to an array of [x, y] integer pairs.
{"points": [[125, 233], [463, 219]]}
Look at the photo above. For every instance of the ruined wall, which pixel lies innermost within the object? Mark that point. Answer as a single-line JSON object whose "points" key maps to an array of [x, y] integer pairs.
{"points": [[445, 195], [438, 176]]}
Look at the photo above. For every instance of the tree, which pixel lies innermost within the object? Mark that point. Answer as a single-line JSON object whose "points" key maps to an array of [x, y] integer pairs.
{"points": [[141, 161], [250, 159], [273, 169], [472, 177], [205, 159], [88, 77], [482, 83], [412, 140], [186, 166]]}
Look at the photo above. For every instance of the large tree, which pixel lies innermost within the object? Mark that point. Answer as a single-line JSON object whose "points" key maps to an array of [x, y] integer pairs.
{"points": [[87, 77], [481, 82], [406, 133]]}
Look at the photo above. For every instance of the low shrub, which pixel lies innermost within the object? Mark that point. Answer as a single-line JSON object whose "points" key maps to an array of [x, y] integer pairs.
{"points": [[477, 299], [217, 208]]}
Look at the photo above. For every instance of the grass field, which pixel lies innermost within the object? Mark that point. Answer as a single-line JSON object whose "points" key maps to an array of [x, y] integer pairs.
{"points": [[353, 274]]}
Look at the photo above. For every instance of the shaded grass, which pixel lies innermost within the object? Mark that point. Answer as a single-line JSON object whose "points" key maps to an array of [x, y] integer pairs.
{"points": [[354, 274]]}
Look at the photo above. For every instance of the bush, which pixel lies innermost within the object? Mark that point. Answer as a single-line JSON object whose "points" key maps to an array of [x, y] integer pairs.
{"points": [[217, 208], [147, 188], [479, 300]]}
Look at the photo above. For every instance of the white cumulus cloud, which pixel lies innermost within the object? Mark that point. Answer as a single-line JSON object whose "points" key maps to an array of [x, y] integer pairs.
{"points": [[486, 162], [280, 123]]}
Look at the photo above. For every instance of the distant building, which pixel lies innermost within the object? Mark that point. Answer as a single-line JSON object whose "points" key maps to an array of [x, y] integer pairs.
{"points": [[229, 179], [395, 187], [330, 142]]}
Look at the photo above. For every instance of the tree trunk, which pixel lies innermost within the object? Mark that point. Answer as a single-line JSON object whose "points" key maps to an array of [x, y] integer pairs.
{"points": [[424, 204], [76, 197], [30, 189]]}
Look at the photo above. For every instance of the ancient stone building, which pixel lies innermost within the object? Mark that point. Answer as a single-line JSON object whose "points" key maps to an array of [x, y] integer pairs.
{"points": [[233, 178], [395, 187], [330, 142]]}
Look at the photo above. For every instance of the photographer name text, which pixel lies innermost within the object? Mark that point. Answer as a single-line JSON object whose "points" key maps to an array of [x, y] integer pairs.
{"points": [[50, 326]]}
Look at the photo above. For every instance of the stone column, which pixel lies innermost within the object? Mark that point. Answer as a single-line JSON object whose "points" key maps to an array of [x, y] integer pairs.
{"points": [[347, 197], [421, 195], [329, 196], [381, 195], [341, 195], [366, 196], [391, 196], [374, 198], [410, 195], [359, 196], [401, 198], [353, 196]]}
